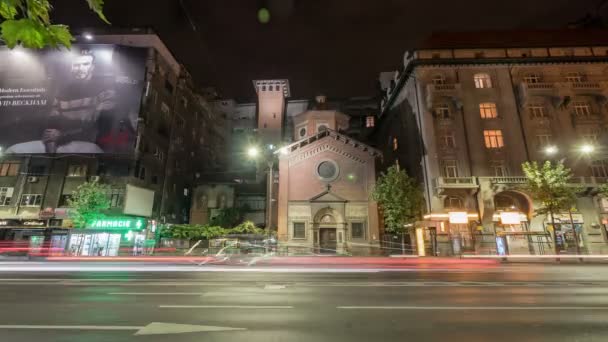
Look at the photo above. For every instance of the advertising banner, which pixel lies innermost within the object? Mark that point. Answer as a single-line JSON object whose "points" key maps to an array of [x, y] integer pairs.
{"points": [[83, 100]]}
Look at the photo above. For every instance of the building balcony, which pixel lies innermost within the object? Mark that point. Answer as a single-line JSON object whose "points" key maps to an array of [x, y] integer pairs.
{"points": [[445, 183], [435, 92], [508, 180], [530, 90]]}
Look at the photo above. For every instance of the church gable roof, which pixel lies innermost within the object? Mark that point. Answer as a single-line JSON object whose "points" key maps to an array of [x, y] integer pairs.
{"points": [[327, 134], [327, 196]]}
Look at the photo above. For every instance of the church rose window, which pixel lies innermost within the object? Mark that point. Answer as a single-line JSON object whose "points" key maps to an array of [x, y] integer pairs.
{"points": [[327, 170]]}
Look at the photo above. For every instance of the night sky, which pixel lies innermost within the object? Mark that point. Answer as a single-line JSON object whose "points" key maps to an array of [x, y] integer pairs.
{"points": [[335, 47]]}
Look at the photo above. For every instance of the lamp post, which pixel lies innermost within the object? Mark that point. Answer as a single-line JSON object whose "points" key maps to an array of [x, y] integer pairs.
{"points": [[255, 153]]}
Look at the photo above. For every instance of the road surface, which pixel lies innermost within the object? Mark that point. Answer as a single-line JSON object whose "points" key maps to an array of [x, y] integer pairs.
{"points": [[115, 303]]}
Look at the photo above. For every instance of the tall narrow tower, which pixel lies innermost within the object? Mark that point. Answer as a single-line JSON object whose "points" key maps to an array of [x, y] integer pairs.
{"points": [[271, 108]]}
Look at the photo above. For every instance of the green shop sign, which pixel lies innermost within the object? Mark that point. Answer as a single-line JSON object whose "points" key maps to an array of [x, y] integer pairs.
{"points": [[131, 223]]}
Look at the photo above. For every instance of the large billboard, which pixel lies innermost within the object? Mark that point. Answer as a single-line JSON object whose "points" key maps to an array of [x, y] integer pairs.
{"points": [[82, 100]]}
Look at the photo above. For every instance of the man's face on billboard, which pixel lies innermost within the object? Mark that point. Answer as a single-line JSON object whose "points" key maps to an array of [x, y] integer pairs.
{"points": [[82, 67]]}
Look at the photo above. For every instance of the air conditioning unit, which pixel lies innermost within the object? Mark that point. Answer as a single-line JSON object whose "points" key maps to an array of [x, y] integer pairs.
{"points": [[94, 178], [32, 179]]}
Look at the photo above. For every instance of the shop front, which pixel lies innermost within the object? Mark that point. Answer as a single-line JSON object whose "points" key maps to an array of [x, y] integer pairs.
{"points": [[32, 236], [566, 226], [451, 233], [110, 236]]}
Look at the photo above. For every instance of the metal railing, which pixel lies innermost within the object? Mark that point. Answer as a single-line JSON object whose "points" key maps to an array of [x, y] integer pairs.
{"points": [[456, 182]]}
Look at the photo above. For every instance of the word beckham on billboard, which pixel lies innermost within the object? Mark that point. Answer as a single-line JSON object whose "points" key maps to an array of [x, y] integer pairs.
{"points": [[83, 100]]}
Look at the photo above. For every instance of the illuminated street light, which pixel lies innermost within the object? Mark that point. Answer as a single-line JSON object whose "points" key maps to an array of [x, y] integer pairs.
{"points": [[587, 148], [253, 152], [88, 36], [284, 151], [550, 150]]}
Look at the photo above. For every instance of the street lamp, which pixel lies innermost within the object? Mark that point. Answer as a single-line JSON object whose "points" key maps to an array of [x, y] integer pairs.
{"points": [[253, 152], [587, 148], [88, 36], [551, 150]]}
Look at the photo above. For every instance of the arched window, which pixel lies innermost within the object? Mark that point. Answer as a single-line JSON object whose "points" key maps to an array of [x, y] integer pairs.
{"points": [[482, 80]]}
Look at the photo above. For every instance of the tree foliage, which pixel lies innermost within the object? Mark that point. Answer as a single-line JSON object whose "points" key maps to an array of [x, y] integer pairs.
{"points": [[603, 190], [228, 217], [28, 22], [400, 199], [207, 232], [548, 184], [88, 202]]}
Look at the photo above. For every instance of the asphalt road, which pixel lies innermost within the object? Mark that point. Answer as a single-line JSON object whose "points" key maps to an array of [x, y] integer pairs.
{"points": [[501, 303]]}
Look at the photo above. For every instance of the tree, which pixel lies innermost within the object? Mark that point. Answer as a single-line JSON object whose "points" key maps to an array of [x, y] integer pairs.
{"points": [[246, 227], [548, 185], [400, 200], [28, 22], [88, 202], [228, 217]]}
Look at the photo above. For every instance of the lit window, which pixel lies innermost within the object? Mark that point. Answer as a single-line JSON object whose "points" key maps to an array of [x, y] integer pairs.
{"points": [[482, 81], [450, 168], [438, 80], [6, 194], [299, 230], [493, 138], [487, 110], [544, 140], [599, 168], [77, 170], [370, 121], [453, 202], [582, 109], [448, 140], [498, 167], [9, 168], [442, 111], [31, 200], [537, 111], [357, 230], [574, 77], [395, 144], [116, 196], [532, 78]]}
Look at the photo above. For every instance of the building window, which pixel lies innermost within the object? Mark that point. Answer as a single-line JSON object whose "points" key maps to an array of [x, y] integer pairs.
{"points": [[327, 170], [438, 80], [395, 144], [154, 179], [116, 197], [482, 81], [499, 169], [537, 111], [453, 202], [544, 140], [582, 109], [442, 111], [370, 121], [141, 173], [448, 140], [6, 194], [487, 110], [357, 230], [493, 138], [591, 135], [599, 168], [302, 132], [299, 230], [574, 77], [532, 78], [169, 86], [31, 200], [450, 169], [164, 108], [321, 128], [64, 200], [78, 170], [9, 169]]}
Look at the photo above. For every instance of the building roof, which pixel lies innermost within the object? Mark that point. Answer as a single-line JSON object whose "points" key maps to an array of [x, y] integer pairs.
{"points": [[515, 38], [335, 136]]}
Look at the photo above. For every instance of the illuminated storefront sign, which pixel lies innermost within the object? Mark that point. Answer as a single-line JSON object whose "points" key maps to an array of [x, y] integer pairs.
{"points": [[457, 217], [118, 223], [510, 218]]}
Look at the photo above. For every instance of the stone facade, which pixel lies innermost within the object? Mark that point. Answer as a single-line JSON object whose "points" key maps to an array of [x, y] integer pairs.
{"points": [[479, 114]]}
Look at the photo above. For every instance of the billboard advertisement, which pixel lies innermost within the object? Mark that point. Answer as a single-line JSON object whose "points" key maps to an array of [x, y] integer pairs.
{"points": [[82, 100]]}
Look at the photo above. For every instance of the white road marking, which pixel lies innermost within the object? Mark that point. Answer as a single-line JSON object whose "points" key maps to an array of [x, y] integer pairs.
{"points": [[154, 328], [472, 307], [225, 307], [156, 293], [274, 287]]}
